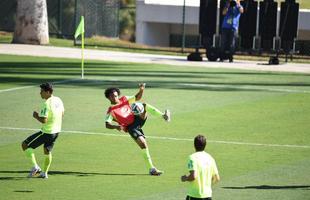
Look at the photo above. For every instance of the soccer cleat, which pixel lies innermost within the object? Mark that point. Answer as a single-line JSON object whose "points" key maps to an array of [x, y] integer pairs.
{"points": [[167, 115], [155, 172], [34, 171], [43, 175]]}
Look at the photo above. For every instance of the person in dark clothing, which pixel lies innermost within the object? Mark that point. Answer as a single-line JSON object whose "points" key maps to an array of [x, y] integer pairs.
{"points": [[231, 12]]}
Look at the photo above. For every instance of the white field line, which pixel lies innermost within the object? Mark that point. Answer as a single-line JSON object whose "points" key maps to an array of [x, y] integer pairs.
{"points": [[31, 86], [16, 88], [167, 138], [244, 87], [221, 86]]}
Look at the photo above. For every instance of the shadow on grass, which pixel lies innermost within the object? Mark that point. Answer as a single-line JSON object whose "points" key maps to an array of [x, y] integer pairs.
{"points": [[12, 178], [270, 187], [69, 173], [164, 84], [127, 75], [23, 191], [66, 173]]}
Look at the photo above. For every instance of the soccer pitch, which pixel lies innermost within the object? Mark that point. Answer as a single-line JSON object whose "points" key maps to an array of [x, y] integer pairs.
{"points": [[256, 123]]}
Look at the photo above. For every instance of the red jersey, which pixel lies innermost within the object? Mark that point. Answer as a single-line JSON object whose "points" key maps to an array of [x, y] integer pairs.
{"points": [[121, 112]]}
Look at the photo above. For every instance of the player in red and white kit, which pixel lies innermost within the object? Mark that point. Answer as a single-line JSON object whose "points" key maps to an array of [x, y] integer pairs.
{"points": [[121, 113]]}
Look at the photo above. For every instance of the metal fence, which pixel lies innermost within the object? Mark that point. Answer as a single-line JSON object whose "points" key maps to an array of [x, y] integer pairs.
{"points": [[61, 15], [101, 16], [7, 15]]}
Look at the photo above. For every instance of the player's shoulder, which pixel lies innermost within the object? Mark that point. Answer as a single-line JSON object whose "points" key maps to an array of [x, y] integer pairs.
{"points": [[56, 99], [194, 156], [202, 155], [209, 157], [111, 108], [123, 98]]}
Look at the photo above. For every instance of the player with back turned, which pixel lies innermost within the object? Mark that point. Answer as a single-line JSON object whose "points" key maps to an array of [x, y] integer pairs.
{"points": [[203, 172]]}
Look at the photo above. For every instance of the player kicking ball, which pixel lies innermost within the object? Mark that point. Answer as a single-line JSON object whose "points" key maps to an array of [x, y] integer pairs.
{"points": [[130, 117]]}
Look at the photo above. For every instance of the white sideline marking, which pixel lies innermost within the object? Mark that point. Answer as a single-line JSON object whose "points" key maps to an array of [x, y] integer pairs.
{"points": [[167, 138], [16, 88], [30, 86], [244, 87]]}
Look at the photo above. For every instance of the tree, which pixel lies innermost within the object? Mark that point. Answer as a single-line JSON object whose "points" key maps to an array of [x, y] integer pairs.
{"points": [[31, 26], [127, 20]]}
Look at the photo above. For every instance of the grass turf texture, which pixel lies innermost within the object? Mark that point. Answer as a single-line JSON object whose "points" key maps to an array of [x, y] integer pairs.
{"points": [[225, 105]]}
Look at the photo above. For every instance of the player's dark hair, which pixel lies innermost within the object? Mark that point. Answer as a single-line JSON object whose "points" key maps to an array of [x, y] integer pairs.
{"points": [[200, 142], [109, 91], [47, 87]]}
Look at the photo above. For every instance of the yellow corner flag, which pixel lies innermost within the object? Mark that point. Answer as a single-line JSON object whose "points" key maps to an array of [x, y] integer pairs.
{"points": [[80, 31]]}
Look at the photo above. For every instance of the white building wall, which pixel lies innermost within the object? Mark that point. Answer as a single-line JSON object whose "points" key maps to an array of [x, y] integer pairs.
{"points": [[304, 25], [154, 34], [155, 22]]}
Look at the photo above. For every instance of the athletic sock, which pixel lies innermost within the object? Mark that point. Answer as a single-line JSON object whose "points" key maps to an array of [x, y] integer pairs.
{"points": [[47, 163], [152, 110], [147, 158], [29, 153]]}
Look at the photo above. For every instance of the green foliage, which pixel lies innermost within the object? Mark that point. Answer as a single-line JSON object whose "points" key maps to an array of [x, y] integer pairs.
{"points": [[127, 20], [125, 3]]}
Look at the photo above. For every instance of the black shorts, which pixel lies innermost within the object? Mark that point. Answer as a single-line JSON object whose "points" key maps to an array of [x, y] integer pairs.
{"points": [[135, 129], [193, 198], [40, 138]]}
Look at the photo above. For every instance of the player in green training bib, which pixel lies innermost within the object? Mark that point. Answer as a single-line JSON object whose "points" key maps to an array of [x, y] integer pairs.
{"points": [[120, 116], [202, 172], [51, 114]]}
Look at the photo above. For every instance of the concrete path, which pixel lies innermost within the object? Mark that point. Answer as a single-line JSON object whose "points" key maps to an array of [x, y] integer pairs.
{"points": [[62, 52]]}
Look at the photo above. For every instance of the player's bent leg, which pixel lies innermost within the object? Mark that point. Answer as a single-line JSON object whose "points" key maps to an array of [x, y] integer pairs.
{"points": [[156, 112], [141, 142], [152, 110], [28, 145]]}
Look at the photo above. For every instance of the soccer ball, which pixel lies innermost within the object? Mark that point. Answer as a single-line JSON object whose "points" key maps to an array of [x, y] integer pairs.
{"points": [[137, 108]]}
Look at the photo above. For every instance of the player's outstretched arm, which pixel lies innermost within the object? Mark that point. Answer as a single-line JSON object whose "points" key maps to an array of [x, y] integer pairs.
{"points": [[140, 92]]}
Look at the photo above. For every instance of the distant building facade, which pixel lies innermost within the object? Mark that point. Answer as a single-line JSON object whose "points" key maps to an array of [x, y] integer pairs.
{"points": [[159, 22]]}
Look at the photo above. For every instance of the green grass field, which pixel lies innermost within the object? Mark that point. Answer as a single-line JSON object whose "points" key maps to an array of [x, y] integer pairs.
{"points": [[257, 125]]}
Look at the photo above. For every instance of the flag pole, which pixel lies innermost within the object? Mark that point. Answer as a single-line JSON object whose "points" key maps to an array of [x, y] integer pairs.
{"points": [[80, 31]]}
